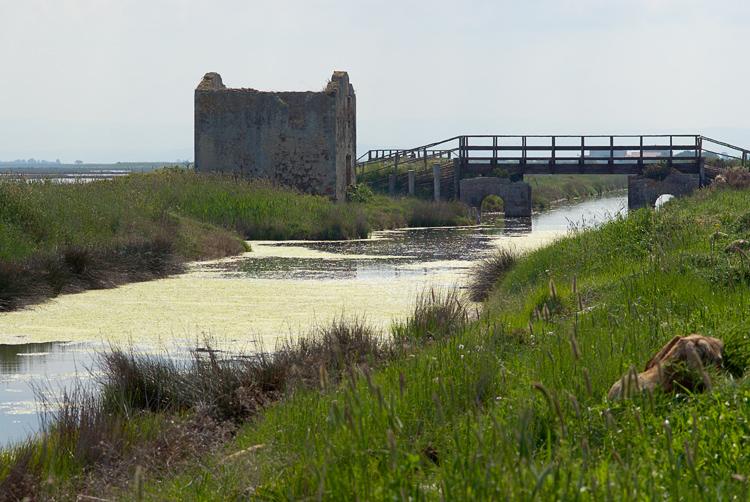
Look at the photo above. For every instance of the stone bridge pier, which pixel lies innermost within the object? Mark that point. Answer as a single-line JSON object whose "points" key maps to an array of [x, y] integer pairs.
{"points": [[516, 195], [643, 192]]}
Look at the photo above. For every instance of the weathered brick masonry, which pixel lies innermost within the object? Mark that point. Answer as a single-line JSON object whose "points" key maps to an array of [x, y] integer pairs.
{"points": [[301, 139]]}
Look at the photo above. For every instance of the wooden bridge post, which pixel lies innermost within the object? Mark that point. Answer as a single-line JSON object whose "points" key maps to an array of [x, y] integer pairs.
{"points": [[412, 182], [462, 154], [391, 184], [436, 176], [583, 153], [640, 159], [552, 160], [395, 165], [671, 151], [494, 152], [456, 179], [744, 157]]}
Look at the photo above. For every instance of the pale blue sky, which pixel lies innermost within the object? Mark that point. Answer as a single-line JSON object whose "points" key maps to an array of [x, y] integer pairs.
{"points": [[108, 80]]}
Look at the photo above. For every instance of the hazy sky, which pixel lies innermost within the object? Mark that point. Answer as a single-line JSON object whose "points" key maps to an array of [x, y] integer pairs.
{"points": [[109, 80]]}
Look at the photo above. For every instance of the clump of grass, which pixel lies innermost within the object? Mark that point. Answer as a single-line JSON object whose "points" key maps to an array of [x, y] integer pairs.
{"points": [[234, 387], [437, 315], [492, 204], [389, 212], [359, 193], [333, 348], [488, 272], [434, 214], [84, 447]]}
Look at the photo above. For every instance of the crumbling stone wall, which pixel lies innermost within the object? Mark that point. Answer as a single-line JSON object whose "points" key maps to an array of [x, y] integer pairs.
{"points": [[301, 139]]}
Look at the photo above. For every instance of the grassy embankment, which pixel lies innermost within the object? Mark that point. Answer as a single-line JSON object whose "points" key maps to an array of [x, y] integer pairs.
{"points": [[65, 237], [546, 189], [506, 402]]}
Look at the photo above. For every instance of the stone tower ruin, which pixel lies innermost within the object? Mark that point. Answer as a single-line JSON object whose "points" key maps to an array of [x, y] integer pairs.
{"points": [[302, 139]]}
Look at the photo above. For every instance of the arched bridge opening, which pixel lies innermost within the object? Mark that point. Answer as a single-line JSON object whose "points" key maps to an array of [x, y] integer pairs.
{"points": [[516, 195]]}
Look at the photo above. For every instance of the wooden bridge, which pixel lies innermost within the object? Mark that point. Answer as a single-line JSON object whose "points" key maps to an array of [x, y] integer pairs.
{"points": [[469, 168], [519, 155]]}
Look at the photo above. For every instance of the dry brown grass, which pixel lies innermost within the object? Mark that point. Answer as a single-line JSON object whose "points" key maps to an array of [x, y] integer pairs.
{"points": [[737, 177]]}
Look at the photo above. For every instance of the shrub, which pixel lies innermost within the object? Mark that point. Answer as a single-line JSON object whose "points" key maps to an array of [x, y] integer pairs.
{"points": [[504, 173], [737, 177], [658, 171], [360, 193]]}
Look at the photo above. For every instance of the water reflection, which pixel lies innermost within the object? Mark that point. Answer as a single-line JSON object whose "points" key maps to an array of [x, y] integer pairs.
{"points": [[389, 254], [32, 371], [514, 227], [21, 358]]}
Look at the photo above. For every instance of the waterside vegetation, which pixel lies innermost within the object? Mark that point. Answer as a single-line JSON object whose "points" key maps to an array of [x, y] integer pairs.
{"points": [[506, 400], [546, 188], [58, 238]]}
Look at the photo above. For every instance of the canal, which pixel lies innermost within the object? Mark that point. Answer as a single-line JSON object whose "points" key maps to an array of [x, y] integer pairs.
{"points": [[249, 302]]}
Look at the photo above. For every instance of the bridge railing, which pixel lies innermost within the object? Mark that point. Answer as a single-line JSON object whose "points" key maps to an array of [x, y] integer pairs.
{"points": [[737, 153], [374, 167], [570, 154]]}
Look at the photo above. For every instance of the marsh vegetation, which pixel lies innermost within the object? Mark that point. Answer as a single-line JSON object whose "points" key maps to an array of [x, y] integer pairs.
{"points": [[58, 238]]}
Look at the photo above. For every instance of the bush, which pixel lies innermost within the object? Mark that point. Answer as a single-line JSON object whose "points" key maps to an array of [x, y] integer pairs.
{"points": [[658, 171], [504, 173], [737, 177], [360, 193]]}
